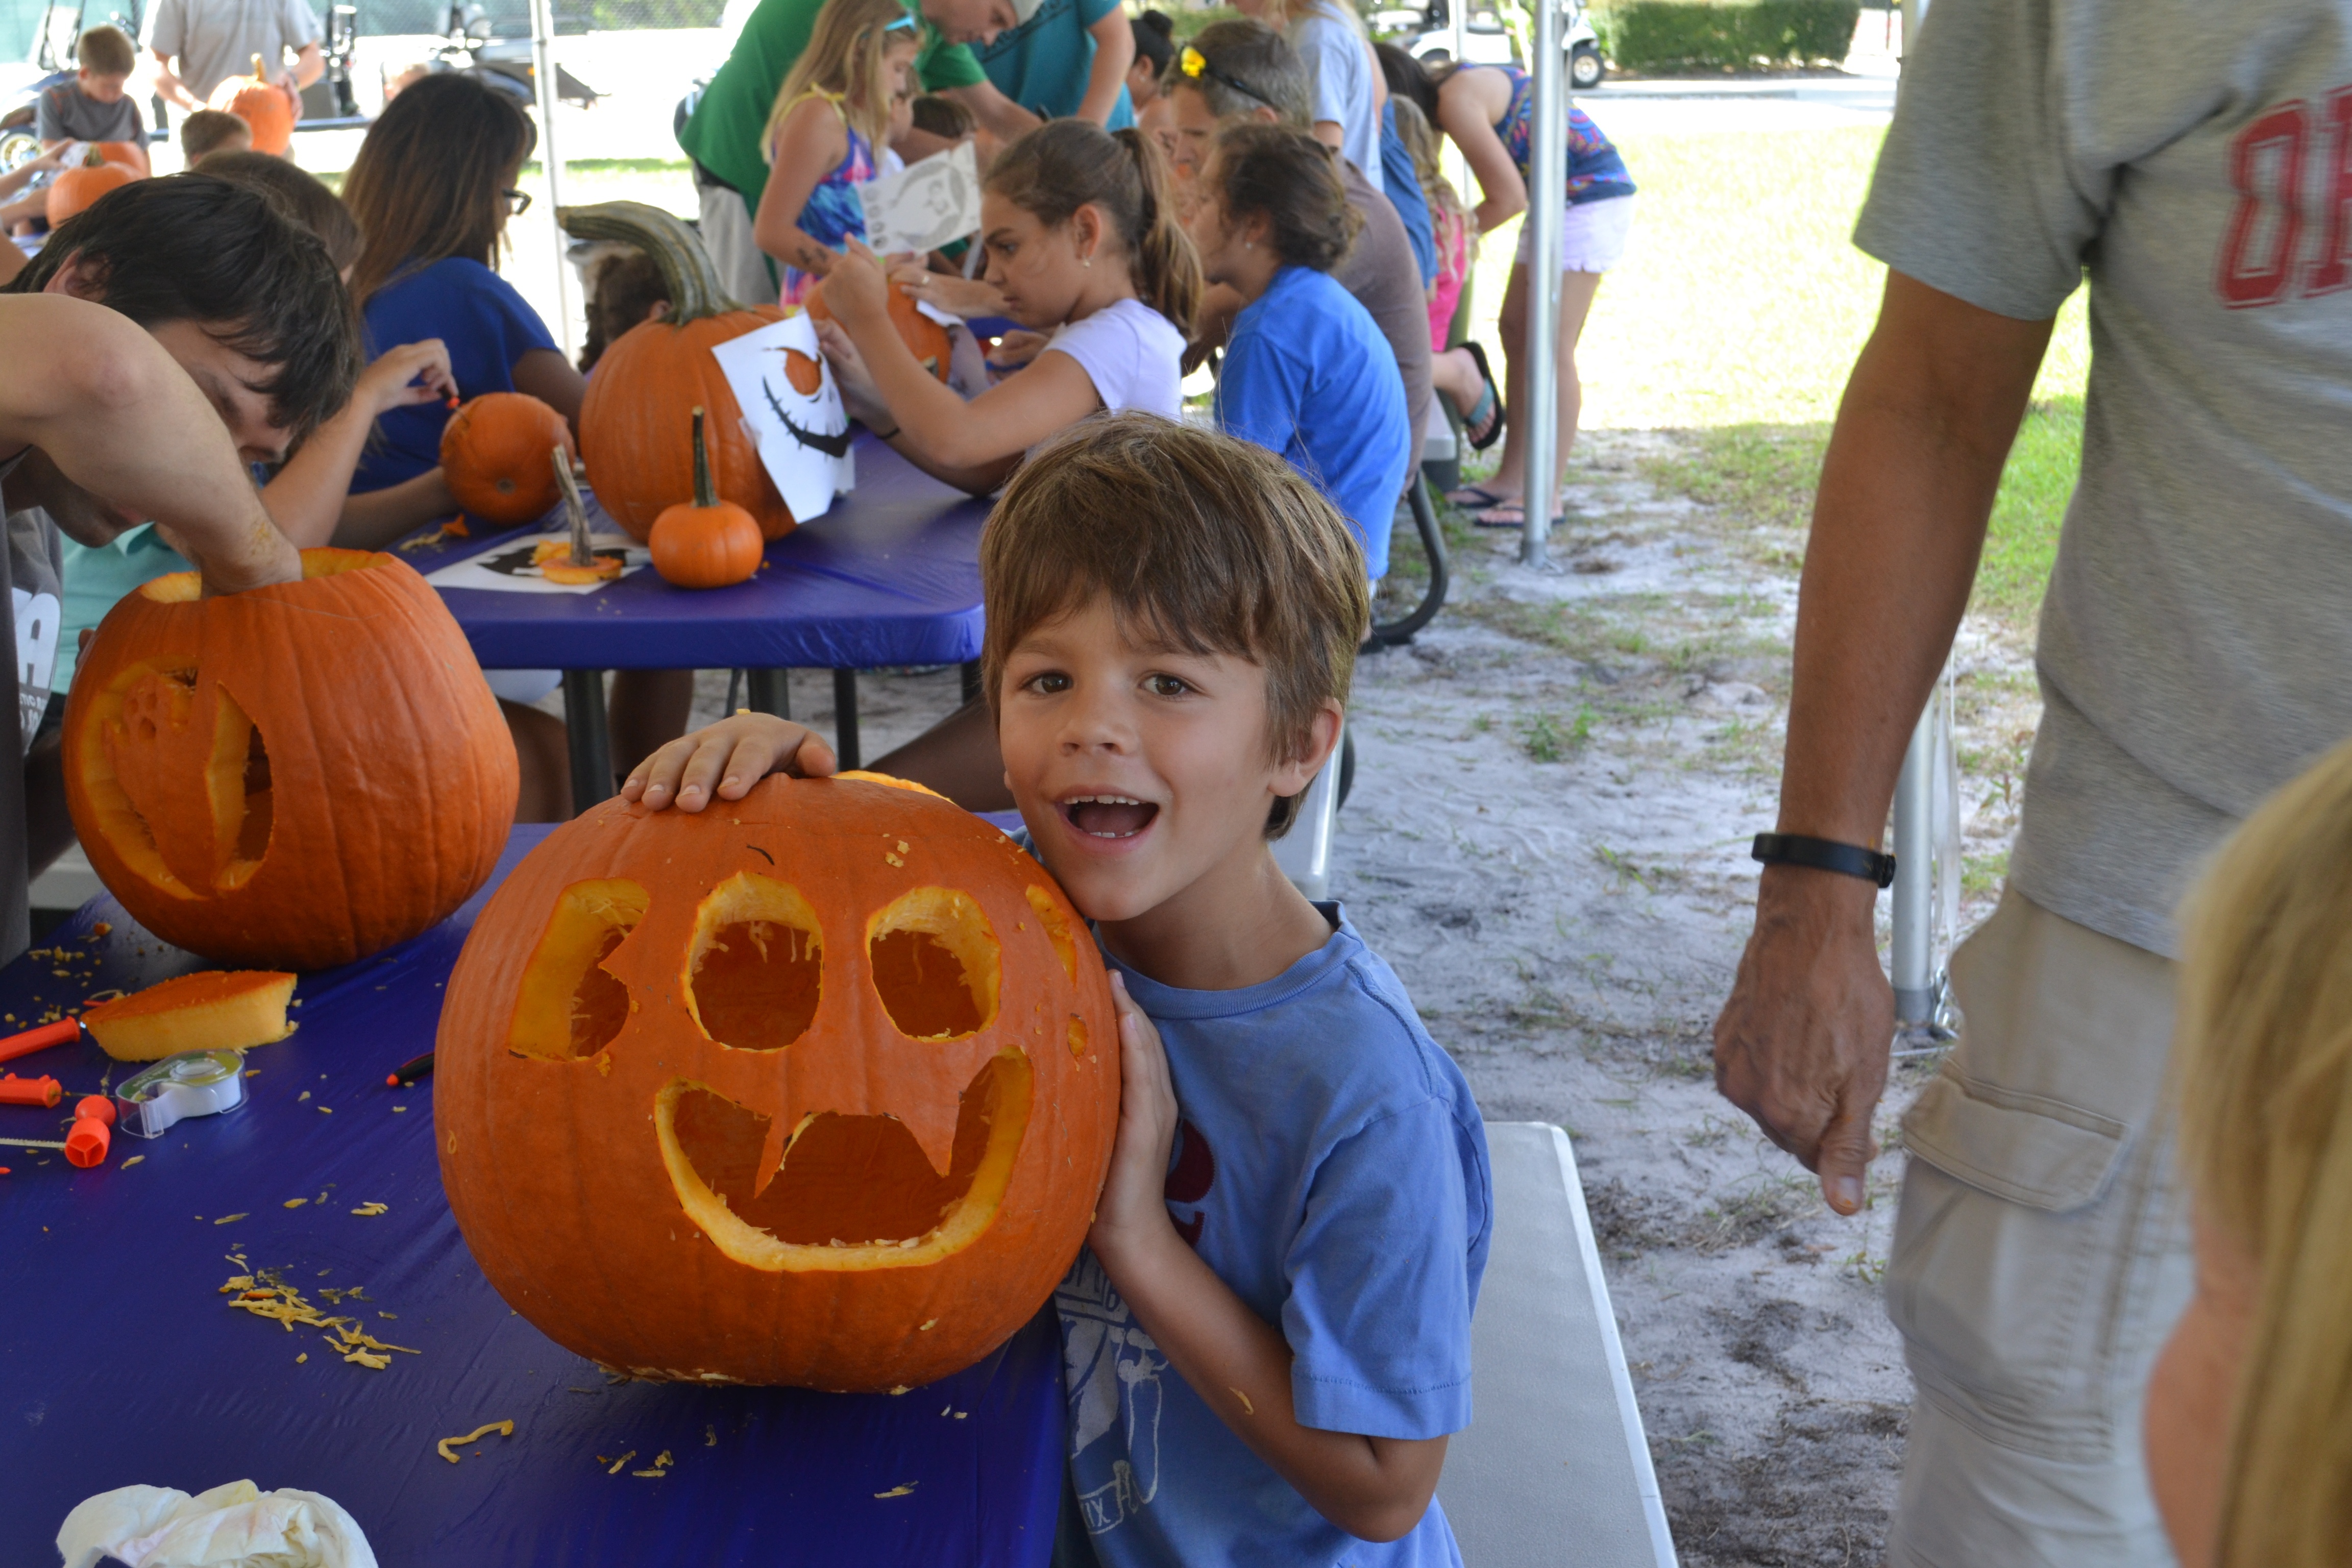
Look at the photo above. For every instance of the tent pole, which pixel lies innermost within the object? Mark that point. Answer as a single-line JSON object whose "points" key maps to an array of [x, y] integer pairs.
{"points": [[543, 76], [1539, 420]]}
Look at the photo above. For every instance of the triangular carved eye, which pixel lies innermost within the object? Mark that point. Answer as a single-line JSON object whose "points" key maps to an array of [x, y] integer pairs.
{"points": [[570, 1007]]}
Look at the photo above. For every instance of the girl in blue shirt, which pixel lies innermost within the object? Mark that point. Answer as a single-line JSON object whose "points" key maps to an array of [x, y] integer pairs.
{"points": [[1307, 372], [432, 188]]}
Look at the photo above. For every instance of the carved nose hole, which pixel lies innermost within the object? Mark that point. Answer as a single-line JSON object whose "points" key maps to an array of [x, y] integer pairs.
{"points": [[934, 961], [758, 964]]}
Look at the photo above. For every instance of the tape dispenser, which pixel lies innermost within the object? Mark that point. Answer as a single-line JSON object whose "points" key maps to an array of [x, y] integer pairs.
{"points": [[194, 1083]]}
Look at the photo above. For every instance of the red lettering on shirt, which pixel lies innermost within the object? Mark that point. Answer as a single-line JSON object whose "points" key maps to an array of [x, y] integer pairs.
{"points": [[2331, 273], [2258, 253], [1189, 1179]]}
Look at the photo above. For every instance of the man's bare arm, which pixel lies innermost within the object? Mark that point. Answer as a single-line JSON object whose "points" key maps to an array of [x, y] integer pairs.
{"points": [[116, 416], [997, 114], [1913, 467]]}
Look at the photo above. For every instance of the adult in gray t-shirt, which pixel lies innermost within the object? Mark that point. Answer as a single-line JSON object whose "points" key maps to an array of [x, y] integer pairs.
{"points": [[2193, 654], [216, 39]]}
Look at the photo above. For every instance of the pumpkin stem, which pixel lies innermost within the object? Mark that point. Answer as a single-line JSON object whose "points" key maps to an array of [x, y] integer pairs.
{"points": [[686, 270], [702, 496]]}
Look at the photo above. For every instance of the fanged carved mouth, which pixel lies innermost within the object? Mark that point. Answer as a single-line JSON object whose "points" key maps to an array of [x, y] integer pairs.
{"points": [[1108, 816], [852, 1192]]}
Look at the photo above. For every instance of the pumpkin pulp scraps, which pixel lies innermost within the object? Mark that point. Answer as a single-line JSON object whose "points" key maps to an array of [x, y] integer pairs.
{"points": [[265, 1294]]}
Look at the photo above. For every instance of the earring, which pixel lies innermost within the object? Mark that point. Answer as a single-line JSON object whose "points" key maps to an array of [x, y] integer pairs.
{"points": [[1086, 261], [1249, 245]]}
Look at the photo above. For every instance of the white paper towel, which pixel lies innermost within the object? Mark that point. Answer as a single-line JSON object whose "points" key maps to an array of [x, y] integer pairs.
{"points": [[233, 1526]]}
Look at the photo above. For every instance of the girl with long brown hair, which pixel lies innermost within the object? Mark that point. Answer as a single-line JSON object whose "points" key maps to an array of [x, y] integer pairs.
{"points": [[1083, 244]]}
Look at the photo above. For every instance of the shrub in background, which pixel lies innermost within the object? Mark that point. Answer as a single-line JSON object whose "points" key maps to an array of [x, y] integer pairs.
{"points": [[1732, 35]]}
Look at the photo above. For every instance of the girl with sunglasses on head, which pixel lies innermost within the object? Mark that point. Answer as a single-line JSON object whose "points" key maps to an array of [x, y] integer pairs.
{"points": [[831, 118]]}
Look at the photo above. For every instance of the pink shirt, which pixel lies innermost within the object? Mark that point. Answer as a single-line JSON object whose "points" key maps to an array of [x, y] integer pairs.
{"points": [[1452, 267]]}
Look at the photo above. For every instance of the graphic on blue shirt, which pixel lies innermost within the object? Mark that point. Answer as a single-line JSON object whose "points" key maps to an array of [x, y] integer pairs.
{"points": [[1330, 1166]]}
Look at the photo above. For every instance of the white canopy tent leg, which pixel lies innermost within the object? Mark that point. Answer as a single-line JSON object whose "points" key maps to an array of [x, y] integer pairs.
{"points": [[1539, 420], [543, 76]]}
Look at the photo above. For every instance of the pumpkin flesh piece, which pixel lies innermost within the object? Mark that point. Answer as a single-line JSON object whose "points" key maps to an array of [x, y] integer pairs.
{"points": [[210, 1011], [853, 1193], [754, 966], [570, 1007]]}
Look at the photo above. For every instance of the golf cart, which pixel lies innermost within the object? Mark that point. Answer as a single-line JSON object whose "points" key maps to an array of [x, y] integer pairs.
{"points": [[1486, 42]]}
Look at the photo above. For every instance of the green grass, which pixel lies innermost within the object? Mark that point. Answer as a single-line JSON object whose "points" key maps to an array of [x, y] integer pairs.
{"points": [[1736, 315]]}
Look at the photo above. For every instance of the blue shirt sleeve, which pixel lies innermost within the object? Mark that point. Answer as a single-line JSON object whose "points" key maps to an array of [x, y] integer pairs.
{"points": [[1379, 1313]]}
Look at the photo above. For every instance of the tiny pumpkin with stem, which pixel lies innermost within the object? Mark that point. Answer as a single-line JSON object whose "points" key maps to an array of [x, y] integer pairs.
{"points": [[709, 544]]}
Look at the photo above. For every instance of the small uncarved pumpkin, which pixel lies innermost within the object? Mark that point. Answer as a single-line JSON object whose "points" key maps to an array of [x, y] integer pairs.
{"points": [[262, 105], [497, 455], [817, 1087], [293, 777], [131, 155], [77, 188], [924, 337], [628, 423], [711, 544]]}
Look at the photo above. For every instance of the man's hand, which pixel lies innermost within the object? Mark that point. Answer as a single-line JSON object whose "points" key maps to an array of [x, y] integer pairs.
{"points": [[1802, 1044], [723, 760]]}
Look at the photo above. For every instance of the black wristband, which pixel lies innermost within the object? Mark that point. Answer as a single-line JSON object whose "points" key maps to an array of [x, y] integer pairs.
{"points": [[1824, 854]]}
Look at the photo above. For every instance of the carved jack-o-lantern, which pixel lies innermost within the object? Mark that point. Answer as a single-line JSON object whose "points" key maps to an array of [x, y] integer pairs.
{"points": [[291, 777], [817, 1087]]}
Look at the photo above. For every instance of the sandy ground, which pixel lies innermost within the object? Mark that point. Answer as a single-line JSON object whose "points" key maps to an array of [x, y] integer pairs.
{"points": [[1555, 788]]}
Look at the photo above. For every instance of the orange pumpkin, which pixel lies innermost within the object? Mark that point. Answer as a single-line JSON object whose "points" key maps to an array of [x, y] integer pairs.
{"points": [[77, 188], [924, 337], [262, 105], [291, 777], [817, 1087], [628, 423], [709, 544], [496, 456], [131, 155]]}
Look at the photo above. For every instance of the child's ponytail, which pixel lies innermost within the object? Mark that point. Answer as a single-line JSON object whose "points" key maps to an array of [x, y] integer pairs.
{"points": [[1067, 164], [1167, 268]]}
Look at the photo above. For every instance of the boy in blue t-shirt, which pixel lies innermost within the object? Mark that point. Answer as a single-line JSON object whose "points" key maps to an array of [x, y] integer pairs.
{"points": [[1266, 1338]]}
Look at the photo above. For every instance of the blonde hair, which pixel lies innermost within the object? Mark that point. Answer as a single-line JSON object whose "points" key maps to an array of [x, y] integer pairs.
{"points": [[2262, 1078], [1218, 546], [846, 61]]}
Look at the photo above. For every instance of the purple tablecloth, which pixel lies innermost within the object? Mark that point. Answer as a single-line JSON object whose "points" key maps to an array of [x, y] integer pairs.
{"points": [[122, 1363], [890, 575]]}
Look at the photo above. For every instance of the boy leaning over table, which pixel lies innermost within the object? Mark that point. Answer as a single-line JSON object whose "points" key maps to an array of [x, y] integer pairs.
{"points": [[1296, 1213]]}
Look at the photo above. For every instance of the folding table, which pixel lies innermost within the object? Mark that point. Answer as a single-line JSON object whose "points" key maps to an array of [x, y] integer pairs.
{"points": [[889, 576], [121, 1362]]}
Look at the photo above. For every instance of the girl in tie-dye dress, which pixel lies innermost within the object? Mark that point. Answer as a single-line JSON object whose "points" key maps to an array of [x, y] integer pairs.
{"points": [[830, 115]]}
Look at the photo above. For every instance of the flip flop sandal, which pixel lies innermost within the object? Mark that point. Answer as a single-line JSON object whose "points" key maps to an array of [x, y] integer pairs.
{"points": [[1492, 398], [1517, 520], [1475, 498]]}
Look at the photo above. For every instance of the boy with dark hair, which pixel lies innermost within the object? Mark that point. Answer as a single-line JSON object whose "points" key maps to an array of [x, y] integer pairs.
{"points": [[211, 130], [1296, 1213], [105, 426], [96, 106]]}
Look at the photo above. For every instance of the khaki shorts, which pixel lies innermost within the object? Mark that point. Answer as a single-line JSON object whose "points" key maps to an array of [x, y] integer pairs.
{"points": [[2040, 1256], [726, 224]]}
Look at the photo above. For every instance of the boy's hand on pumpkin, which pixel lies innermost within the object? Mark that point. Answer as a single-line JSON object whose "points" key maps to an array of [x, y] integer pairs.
{"points": [[723, 760], [1132, 1211], [412, 372]]}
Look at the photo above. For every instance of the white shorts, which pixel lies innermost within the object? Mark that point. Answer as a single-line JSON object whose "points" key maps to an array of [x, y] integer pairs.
{"points": [[1592, 236], [522, 685]]}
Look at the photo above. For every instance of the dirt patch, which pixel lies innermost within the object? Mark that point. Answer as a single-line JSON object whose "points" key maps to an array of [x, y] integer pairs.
{"points": [[1555, 788]]}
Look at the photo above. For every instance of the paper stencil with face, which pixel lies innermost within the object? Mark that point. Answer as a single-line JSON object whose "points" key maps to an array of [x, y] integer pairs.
{"points": [[793, 410], [925, 204]]}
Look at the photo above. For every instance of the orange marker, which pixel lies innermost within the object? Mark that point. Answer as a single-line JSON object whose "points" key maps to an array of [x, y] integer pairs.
{"points": [[41, 1091], [39, 1039]]}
